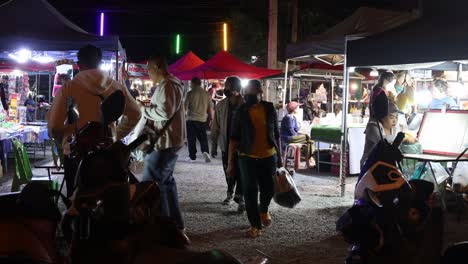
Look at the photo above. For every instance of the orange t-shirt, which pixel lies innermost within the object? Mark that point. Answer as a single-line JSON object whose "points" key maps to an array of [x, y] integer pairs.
{"points": [[260, 148]]}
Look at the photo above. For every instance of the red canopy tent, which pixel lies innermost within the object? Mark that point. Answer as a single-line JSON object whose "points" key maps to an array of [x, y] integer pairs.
{"points": [[223, 65], [186, 63]]}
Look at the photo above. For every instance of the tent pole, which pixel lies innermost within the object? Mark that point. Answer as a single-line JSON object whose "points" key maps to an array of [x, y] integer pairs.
{"points": [[117, 65], [267, 84], [290, 88], [285, 84], [50, 88], [344, 129], [39, 85], [299, 89], [332, 101]]}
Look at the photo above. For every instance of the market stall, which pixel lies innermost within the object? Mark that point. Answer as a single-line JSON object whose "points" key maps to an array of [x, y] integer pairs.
{"points": [[330, 47], [437, 39], [48, 39], [186, 63], [223, 65]]}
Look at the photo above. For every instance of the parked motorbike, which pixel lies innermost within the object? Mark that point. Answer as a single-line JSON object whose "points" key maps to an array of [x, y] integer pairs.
{"points": [[116, 218], [111, 218], [392, 220]]}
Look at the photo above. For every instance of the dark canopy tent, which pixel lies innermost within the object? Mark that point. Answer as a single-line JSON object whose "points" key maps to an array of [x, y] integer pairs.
{"points": [[187, 62], [37, 25], [437, 40], [223, 65], [438, 36], [330, 45]]}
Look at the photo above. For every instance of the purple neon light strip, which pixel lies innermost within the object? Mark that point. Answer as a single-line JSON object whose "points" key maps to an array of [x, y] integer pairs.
{"points": [[102, 24]]}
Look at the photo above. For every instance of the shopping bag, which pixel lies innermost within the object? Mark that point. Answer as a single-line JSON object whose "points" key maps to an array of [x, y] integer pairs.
{"points": [[144, 126], [286, 193], [460, 177], [137, 161]]}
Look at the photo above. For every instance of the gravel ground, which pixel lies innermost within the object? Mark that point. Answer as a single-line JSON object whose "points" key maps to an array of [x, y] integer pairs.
{"points": [[294, 232], [305, 234]]}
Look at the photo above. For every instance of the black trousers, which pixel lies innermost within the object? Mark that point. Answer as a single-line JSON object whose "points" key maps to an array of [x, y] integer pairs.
{"points": [[196, 130], [232, 182], [70, 167], [257, 176]]}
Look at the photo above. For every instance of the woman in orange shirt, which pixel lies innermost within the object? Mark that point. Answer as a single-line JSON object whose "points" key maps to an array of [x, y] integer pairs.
{"points": [[255, 136]]}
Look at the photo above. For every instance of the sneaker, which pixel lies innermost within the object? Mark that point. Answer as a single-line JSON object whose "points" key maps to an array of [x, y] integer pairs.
{"points": [[183, 238], [241, 207], [207, 157], [190, 160], [227, 201], [266, 219], [254, 232], [238, 198]]}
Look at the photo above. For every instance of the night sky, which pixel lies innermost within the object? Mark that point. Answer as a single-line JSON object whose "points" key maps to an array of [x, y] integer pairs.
{"points": [[149, 27]]}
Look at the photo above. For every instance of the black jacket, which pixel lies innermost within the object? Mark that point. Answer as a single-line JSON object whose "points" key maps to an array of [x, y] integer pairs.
{"points": [[242, 129]]}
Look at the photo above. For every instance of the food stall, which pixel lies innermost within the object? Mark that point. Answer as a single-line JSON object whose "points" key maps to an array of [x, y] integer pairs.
{"points": [[443, 133], [330, 47], [54, 38]]}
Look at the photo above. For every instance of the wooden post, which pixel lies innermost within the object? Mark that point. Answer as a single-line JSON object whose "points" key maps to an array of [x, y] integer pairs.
{"points": [[273, 35], [294, 14]]}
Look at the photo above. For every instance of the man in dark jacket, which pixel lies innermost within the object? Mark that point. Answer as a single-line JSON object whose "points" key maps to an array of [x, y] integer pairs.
{"points": [[220, 132]]}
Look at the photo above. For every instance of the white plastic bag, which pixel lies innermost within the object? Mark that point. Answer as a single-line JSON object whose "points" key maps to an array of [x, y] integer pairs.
{"points": [[460, 177], [137, 162], [286, 193]]}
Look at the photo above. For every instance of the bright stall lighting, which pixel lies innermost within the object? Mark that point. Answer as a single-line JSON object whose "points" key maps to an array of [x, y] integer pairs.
{"points": [[460, 90], [353, 86], [21, 56], [374, 73], [244, 82], [17, 73], [351, 69], [423, 97], [43, 59], [105, 67]]}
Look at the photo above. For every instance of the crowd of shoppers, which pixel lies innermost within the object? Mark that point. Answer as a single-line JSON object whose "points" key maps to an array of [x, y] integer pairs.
{"points": [[245, 128]]}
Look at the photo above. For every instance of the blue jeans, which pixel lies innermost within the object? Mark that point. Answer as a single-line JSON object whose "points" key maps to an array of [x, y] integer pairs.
{"points": [[159, 167]]}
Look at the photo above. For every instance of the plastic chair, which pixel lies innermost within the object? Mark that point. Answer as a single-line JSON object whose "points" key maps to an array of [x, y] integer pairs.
{"points": [[292, 156], [23, 172]]}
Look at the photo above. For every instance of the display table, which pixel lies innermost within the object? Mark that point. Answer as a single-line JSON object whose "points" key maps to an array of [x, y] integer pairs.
{"points": [[332, 135], [428, 159], [35, 133]]}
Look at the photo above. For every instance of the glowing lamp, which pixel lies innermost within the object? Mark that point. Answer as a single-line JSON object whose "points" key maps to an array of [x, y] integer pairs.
{"points": [[374, 73], [244, 82], [225, 37], [177, 43], [102, 24]]}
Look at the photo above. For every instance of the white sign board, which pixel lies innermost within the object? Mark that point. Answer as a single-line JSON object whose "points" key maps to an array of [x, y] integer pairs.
{"points": [[444, 133]]}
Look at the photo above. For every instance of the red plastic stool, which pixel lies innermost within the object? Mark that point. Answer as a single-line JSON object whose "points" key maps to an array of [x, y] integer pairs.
{"points": [[292, 156]]}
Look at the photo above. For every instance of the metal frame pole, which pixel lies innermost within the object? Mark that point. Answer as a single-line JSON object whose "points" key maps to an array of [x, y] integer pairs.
{"points": [[332, 94], [50, 88], [344, 129], [285, 84], [290, 88], [117, 65]]}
